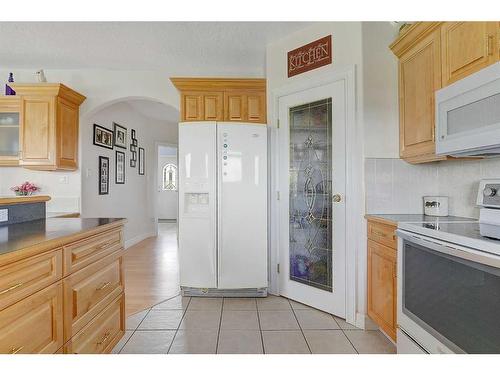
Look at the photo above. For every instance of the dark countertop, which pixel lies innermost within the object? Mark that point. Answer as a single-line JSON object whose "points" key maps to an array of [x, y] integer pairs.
{"points": [[49, 231], [395, 219]]}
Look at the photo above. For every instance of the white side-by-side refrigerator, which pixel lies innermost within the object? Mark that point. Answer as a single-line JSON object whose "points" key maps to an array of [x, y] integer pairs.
{"points": [[223, 208]]}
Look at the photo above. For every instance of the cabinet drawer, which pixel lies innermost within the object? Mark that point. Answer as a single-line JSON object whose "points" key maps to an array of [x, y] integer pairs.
{"points": [[88, 291], [23, 278], [82, 253], [382, 233], [102, 333], [33, 325]]}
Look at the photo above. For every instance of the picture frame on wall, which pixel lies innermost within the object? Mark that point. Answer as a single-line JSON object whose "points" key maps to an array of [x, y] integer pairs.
{"points": [[133, 148], [141, 161], [119, 167], [133, 163], [103, 175], [132, 134], [134, 141], [103, 137], [120, 133]]}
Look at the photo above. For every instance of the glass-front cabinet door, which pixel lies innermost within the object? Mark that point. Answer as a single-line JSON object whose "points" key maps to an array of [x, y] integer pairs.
{"points": [[310, 203], [9, 131]]}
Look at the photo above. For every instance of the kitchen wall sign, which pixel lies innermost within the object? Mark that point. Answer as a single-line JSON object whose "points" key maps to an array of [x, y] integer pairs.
{"points": [[310, 56]]}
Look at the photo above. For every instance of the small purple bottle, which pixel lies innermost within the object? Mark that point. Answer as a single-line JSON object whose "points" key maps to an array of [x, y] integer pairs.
{"points": [[8, 89]]}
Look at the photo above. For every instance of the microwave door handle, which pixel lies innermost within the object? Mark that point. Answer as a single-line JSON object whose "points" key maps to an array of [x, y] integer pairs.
{"points": [[453, 251]]}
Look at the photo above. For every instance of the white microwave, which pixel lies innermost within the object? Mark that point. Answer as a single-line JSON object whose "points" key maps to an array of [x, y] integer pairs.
{"points": [[468, 115]]}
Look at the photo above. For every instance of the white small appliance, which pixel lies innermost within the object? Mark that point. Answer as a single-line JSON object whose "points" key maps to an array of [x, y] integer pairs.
{"points": [[449, 281], [435, 206], [468, 115], [223, 209]]}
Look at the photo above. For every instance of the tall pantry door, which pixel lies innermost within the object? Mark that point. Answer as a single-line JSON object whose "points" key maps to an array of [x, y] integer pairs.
{"points": [[242, 205], [197, 204]]}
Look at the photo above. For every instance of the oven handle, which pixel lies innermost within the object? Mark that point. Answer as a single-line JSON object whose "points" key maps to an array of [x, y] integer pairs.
{"points": [[452, 249]]}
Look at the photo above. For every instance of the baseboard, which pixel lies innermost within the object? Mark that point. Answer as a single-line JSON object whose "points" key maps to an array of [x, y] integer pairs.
{"points": [[132, 241], [364, 322]]}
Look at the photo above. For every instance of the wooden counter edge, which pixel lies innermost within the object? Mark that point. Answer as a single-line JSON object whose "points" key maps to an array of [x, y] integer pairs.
{"points": [[55, 243], [380, 220], [8, 201]]}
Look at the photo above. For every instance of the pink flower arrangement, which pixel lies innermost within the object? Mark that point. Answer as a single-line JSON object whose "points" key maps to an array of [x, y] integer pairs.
{"points": [[25, 189]]}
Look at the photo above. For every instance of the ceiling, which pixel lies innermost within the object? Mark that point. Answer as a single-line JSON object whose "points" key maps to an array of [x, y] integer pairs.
{"points": [[179, 48]]}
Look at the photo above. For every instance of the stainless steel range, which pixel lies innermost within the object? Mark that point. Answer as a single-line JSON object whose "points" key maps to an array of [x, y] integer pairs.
{"points": [[449, 282]]}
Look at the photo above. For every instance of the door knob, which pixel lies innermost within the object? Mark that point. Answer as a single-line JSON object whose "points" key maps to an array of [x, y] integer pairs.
{"points": [[337, 198]]}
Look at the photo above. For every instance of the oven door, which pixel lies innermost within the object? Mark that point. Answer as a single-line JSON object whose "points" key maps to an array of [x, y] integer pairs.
{"points": [[448, 295]]}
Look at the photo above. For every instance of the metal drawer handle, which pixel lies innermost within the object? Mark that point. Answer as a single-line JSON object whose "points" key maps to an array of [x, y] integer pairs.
{"points": [[104, 286], [15, 350], [104, 245], [104, 338], [11, 288], [378, 233]]}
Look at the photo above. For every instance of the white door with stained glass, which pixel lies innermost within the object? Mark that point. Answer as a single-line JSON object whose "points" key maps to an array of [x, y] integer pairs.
{"points": [[312, 165]]}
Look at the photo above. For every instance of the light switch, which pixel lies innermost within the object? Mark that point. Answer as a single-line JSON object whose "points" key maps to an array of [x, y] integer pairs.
{"points": [[63, 179], [4, 215]]}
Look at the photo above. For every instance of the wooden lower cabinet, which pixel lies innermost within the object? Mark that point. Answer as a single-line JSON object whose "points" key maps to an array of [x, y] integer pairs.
{"points": [[382, 276], [49, 308], [102, 333], [35, 324]]}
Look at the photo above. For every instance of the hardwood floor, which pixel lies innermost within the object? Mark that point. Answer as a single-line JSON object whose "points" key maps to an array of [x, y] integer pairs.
{"points": [[152, 270]]}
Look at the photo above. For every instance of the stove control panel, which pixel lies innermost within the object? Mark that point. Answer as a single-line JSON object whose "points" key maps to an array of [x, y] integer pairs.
{"points": [[489, 193]]}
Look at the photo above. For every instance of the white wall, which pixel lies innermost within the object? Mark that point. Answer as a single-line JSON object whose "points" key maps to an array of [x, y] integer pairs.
{"points": [[380, 91], [136, 199], [166, 199], [347, 52]]}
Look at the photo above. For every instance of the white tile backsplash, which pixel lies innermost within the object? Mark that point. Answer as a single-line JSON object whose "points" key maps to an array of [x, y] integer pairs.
{"points": [[393, 186]]}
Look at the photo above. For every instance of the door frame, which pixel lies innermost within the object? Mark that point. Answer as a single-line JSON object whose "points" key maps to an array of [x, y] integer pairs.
{"points": [[354, 176], [157, 195]]}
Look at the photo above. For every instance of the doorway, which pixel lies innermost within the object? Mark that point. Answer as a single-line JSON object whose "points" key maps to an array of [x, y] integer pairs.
{"points": [[167, 183], [312, 210]]}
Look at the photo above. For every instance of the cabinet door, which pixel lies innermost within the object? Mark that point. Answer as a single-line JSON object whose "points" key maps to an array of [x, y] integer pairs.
{"points": [[9, 131], [467, 47], [234, 106], [419, 78], [67, 135], [382, 287], [33, 325], [256, 107], [38, 131], [192, 106], [212, 106]]}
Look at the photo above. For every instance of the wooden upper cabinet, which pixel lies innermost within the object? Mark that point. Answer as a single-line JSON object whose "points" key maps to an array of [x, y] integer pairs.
{"points": [[222, 99], [467, 47], [419, 78], [49, 114], [10, 128]]}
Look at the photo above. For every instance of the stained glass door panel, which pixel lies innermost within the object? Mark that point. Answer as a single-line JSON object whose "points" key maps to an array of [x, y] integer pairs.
{"points": [[310, 204]]}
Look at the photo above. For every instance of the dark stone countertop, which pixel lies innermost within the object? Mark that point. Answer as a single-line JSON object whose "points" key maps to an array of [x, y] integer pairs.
{"points": [[20, 236]]}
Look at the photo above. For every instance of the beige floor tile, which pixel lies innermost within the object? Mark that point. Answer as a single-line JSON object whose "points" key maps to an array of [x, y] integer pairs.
{"points": [[240, 342], [240, 304], [201, 320], [300, 306], [273, 303], [133, 321], [315, 319], [120, 344], [241, 320], [277, 320], [370, 342], [205, 303], [328, 342], [149, 342], [194, 342], [284, 342], [343, 324], [161, 319], [176, 303]]}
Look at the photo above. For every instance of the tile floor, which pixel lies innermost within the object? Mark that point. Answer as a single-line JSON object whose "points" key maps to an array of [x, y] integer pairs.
{"points": [[244, 326]]}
